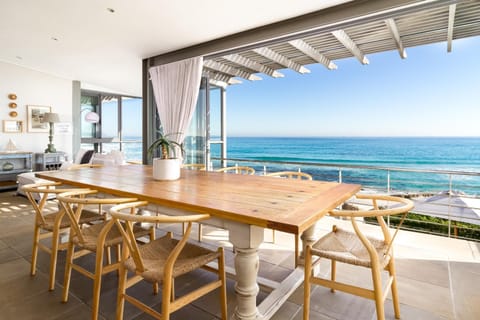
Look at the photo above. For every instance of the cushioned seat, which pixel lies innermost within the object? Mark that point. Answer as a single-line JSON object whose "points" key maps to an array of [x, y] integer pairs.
{"points": [[29, 178]]}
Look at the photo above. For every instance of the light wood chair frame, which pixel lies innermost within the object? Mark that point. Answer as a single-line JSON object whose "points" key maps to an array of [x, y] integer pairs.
{"points": [[131, 250], [194, 166], [378, 294], [44, 229], [73, 204], [238, 170], [291, 175]]}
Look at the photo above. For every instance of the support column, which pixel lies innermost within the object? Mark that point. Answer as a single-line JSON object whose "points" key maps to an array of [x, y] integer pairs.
{"points": [[246, 241], [308, 237]]}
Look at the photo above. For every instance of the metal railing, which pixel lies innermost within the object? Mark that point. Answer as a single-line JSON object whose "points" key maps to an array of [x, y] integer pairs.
{"points": [[447, 202]]}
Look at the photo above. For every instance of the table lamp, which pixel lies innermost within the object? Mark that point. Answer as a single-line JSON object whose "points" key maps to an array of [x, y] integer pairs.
{"points": [[51, 118]]}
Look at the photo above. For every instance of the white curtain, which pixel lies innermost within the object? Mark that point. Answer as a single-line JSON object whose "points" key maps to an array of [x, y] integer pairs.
{"points": [[175, 87]]}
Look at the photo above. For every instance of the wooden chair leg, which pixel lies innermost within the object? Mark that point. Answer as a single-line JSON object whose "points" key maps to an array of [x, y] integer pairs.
{"points": [[166, 299], [68, 271], [200, 230], [306, 283], [297, 252], [396, 303], [109, 255], [53, 258], [378, 292], [333, 272], [97, 281], [223, 289], [121, 291], [36, 239]]}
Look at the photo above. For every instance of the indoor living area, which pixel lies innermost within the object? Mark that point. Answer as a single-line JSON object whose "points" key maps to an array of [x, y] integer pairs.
{"points": [[125, 194]]}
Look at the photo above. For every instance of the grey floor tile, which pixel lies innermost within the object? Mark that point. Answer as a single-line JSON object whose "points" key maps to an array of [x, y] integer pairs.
{"points": [[427, 278], [8, 254]]}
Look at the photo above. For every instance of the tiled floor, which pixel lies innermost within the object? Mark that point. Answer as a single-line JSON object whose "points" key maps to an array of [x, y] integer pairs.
{"points": [[439, 278]]}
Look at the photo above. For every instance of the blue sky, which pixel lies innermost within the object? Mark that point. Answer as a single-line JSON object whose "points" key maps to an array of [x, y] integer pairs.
{"points": [[431, 93]]}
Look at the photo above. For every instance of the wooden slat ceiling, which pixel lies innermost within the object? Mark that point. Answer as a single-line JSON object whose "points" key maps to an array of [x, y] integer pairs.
{"points": [[443, 24]]}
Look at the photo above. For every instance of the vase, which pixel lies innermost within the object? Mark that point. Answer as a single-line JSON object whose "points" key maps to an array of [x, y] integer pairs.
{"points": [[166, 169]]}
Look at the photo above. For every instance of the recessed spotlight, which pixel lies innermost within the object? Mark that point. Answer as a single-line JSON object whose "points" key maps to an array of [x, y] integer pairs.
{"points": [[110, 10], [54, 38]]}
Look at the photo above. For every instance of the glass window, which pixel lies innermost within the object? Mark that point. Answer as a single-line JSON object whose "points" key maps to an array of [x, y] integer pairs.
{"points": [[132, 126], [120, 122], [109, 117]]}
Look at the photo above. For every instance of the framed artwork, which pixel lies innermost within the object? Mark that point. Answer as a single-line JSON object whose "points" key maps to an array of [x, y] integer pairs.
{"points": [[12, 126], [35, 117]]}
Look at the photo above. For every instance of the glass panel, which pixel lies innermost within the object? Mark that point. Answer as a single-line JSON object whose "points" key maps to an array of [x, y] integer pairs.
{"points": [[132, 150], [215, 113], [109, 117], [107, 147], [132, 128], [196, 134], [88, 104]]}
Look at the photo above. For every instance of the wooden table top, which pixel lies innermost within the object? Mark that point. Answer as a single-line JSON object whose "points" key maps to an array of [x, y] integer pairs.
{"points": [[275, 203]]}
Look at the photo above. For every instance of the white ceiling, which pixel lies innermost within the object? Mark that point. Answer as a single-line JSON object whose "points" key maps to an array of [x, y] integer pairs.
{"points": [[105, 50]]}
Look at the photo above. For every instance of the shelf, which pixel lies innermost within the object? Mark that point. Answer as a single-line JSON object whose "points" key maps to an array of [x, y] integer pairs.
{"points": [[21, 161]]}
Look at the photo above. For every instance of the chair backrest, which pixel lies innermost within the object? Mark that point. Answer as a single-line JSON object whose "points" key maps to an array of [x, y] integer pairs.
{"points": [[238, 170], [43, 189], [193, 166], [126, 215], [73, 202], [290, 175], [377, 206]]}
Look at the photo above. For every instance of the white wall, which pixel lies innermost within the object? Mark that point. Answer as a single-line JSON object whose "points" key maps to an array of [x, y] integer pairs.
{"points": [[34, 88]]}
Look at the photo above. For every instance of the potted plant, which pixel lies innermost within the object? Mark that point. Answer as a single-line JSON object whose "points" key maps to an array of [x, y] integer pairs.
{"points": [[167, 166]]}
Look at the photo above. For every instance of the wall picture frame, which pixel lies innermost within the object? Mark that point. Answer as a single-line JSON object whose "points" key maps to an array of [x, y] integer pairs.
{"points": [[12, 126], [35, 117]]}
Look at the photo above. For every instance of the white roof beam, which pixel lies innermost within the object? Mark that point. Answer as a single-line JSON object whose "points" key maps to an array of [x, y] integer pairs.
{"points": [[230, 70], [392, 26], [212, 75], [250, 64], [278, 58], [313, 53], [451, 21], [348, 43]]}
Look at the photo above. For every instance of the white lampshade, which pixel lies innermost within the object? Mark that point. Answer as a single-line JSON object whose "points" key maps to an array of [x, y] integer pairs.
{"points": [[92, 117], [51, 117]]}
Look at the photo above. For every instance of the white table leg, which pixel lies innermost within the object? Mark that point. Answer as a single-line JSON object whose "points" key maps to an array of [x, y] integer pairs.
{"points": [[246, 240], [308, 237]]}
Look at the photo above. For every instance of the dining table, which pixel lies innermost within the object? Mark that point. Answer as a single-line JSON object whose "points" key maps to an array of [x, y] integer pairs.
{"points": [[243, 204]]}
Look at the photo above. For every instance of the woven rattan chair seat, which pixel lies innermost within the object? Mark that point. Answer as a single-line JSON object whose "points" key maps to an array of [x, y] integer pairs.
{"points": [[155, 254], [114, 237], [345, 246]]}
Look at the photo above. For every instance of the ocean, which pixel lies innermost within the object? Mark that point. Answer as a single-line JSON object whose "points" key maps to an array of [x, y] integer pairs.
{"points": [[449, 153]]}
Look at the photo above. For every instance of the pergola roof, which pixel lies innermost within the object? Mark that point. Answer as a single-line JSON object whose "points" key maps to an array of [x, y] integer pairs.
{"points": [[396, 31]]}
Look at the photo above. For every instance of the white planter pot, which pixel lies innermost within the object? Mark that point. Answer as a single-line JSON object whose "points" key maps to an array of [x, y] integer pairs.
{"points": [[166, 169]]}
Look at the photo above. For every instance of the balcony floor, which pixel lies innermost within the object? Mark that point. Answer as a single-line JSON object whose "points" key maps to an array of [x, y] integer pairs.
{"points": [[439, 278]]}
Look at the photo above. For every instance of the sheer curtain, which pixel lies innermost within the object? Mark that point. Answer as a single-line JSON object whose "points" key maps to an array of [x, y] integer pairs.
{"points": [[175, 87]]}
